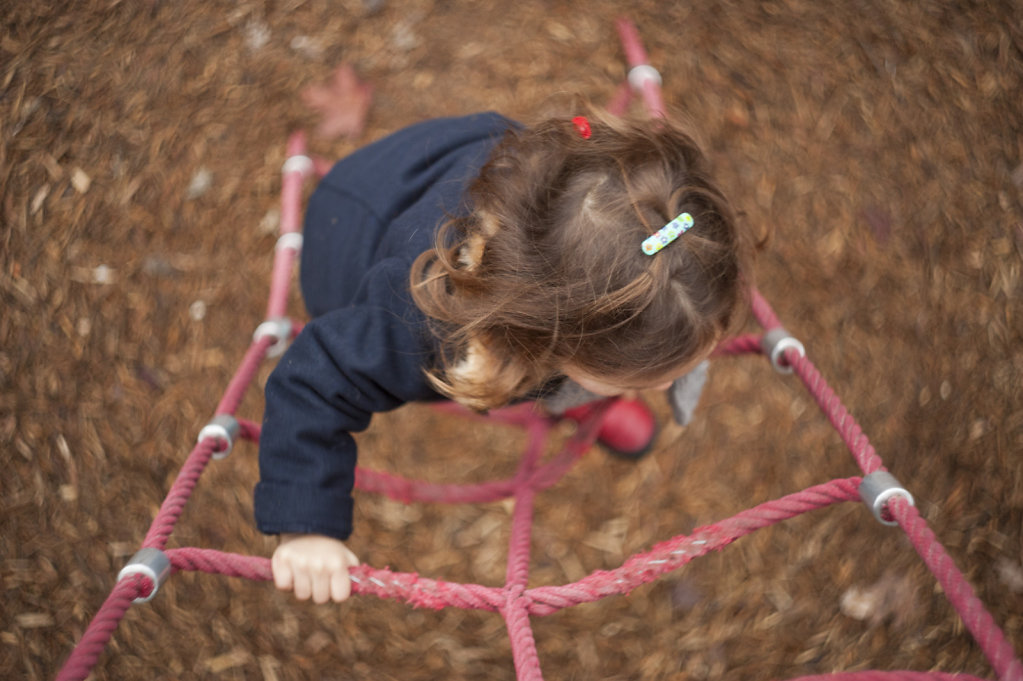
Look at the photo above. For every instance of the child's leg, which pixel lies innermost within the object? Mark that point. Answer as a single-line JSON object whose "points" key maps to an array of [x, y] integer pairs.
{"points": [[628, 428]]}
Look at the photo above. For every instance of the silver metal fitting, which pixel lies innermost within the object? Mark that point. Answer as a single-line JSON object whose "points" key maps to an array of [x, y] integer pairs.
{"points": [[299, 162], [223, 427], [774, 344], [640, 74], [280, 329], [877, 489], [292, 240], [148, 562]]}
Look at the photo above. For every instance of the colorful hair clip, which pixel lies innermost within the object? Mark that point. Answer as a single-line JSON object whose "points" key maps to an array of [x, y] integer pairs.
{"points": [[665, 235], [583, 126]]}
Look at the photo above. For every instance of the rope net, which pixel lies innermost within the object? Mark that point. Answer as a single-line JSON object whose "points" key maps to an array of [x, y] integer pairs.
{"points": [[513, 601]]}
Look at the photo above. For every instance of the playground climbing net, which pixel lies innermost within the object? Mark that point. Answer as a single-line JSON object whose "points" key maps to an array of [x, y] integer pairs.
{"points": [[889, 502]]}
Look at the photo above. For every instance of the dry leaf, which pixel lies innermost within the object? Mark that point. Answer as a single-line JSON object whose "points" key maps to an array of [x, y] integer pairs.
{"points": [[342, 103], [80, 180]]}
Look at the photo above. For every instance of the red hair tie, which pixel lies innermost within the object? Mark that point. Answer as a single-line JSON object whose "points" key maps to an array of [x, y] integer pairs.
{"points": [[583, 126]]}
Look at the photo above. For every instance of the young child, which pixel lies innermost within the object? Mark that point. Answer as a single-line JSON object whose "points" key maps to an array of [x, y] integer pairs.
{"points": [[484, 262]]}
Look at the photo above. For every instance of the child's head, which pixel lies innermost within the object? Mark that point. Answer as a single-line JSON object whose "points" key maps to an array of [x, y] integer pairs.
{"points": [[546, 276]]}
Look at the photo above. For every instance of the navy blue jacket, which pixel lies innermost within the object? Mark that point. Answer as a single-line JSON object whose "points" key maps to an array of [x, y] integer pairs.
{"points": [[367, 345]]}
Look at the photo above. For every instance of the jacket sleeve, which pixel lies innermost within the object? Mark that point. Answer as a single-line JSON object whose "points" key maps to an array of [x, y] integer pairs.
{"points": [[342, 368], [393, 173]]}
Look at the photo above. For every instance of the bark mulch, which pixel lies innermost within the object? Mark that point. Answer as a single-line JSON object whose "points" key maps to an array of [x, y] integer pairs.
{"points": [[881, 146]]}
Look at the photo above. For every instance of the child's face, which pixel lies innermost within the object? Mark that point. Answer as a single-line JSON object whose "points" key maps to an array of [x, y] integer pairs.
{"points": [[607, 388]]}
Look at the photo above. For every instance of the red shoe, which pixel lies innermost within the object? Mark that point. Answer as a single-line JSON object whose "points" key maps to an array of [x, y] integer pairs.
{"points": [[627, 430]]}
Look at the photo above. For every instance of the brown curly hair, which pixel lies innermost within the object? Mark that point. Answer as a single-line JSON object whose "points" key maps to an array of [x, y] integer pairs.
{"points": [[546, 270]]}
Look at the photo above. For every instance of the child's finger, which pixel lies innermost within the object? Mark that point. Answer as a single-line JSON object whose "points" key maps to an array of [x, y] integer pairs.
{"points": [[303, 585], [320, 586], [340, 586], [281, 569]]}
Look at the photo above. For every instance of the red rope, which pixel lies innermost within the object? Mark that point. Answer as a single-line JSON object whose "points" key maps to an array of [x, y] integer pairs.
{"points": [[248, 430], [516, 604], [762, 311], [291, 223], [739, 345], [636, 571], [422, 592], [243, 377], [408, 491], [180, 491], [517, 570], [536, 477], [897, 675], [672, 554], [84, 655], [523, 644], [837, 414], [193, 559], [635, 55], [284, 263], [958, 591], [994, 644], [843, 422], [619, 103]]}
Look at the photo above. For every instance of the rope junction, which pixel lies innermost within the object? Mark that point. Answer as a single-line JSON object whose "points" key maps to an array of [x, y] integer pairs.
{"points": [[891, 504]]}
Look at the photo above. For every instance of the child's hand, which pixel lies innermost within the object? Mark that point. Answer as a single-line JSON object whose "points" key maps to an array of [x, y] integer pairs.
{"points": [[313, 565]]}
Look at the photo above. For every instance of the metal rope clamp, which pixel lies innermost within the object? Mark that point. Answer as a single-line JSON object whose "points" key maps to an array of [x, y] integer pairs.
{"points": [[222, 427], [298, 162], [279, 329], [877, 489], [290, 240], [774, 344], [641, 73], [151, 563]]}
